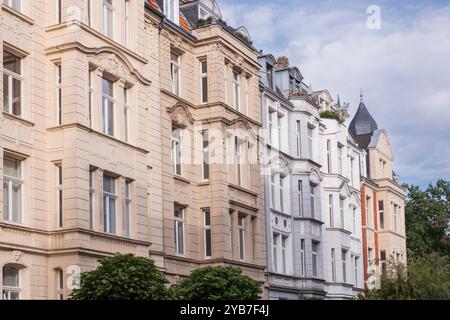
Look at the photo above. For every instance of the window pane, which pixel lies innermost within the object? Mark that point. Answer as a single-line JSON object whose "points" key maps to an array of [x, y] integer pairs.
{"points": [[10, 277], [110, 118], [180, 237], [112, 216], [11, 62], [12, 167], [5, 201], [107, 87], [204, 67], [204, 89], [16, 202], [208, 243]]}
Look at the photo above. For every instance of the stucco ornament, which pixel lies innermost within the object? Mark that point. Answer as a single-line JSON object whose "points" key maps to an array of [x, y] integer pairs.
{"points": [[17, 256], [180, 115], [112, 64], [315, 177]]}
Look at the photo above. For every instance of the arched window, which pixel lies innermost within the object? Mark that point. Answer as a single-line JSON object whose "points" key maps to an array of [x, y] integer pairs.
{"points": [[10, 283]]}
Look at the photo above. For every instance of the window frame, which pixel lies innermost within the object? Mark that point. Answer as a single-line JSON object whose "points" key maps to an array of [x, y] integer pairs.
{"points": [[381, 214], [10, 3], [108, 22], [236, 91], [58, 93], [11, 181], [59, 195], [59, 273], [241, 238], [175, 73], [314, 259], [207, 227], [333, 265], [344, 253], [91, 198], [206, 169], [108, 102], [8, 290], [11, 76], [204, 95], [299, 139], [300, 198], [126, 111], [177, 151], [107, 198], [128, 208], [179, 224]]}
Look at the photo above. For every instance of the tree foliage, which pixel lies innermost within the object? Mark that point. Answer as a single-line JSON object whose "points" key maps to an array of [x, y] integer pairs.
{"points": [[425, 278], [427, 217], [217, 283], [122, 277]]}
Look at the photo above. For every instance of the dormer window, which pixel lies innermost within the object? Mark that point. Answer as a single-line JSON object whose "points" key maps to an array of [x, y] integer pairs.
{"points": [[270, 75], [171, 9]]}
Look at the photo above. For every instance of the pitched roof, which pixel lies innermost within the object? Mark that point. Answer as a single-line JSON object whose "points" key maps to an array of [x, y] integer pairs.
{"points": [[154, 4], [363, 123], [184, 24]]}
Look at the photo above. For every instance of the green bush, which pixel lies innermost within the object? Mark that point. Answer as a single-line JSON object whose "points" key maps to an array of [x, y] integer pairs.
{"points": [[217, 283], [123, 277], [331, 115]]}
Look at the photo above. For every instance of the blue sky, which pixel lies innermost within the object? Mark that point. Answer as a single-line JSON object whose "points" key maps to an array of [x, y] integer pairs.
{"points": [[403, 68]]}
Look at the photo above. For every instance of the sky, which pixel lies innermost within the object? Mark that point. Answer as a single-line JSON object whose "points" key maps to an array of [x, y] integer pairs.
{"points": [[402, 65]]}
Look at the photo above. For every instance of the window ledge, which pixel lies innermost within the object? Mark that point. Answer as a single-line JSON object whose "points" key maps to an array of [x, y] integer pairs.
{"points": [[18, 14], [310, 219], [181, 179], [340, 230], [243, 189], [21, 120]]}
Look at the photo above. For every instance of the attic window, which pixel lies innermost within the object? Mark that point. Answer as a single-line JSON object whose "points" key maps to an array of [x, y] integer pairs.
{"points": [[171, 8]]}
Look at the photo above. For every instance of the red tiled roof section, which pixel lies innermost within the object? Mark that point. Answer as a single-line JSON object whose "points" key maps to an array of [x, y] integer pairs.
{"points": [[154, 4], [184, 24]]}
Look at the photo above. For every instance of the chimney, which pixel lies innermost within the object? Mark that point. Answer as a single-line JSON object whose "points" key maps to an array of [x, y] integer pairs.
{"points": [[283, 62]]}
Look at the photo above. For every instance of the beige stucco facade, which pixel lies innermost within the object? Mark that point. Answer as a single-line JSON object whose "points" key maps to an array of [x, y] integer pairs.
{"points": [[116, 190]]}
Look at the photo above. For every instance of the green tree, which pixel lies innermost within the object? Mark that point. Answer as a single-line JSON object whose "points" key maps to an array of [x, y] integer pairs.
{"points": [[122, 277], [425, 278], [218, 283], [427, 216]]}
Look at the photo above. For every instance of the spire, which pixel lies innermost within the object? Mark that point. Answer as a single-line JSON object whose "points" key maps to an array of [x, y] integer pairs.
{"points": [[363, 123]]}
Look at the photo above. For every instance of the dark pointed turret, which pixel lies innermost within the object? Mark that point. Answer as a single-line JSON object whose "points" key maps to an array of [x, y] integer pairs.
{"points": [[363, 123]]}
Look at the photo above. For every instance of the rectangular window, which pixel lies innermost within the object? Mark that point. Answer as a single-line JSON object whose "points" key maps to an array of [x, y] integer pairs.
{"points": [[354, 220], [58, 11], [58, 94], [91, 199], [59, 195], [177, 138], [352, 175], [355, 271], [270, 75], [342, 213], [395, 218], [340, 152], [15, 4], [175, 71], [279, 132], [315, 248], [12, 84], [108, 106], [60, 284], [241, 232], [126, 108], [333, 265], [310, 142], [272, 191], [246, 95], [225, 80], [239, 160], [109, 204], [283, 253], [282, 179], [89, 11], [271, 127], [127, 218], [236, 91], [207, 233], [126, 23], [204, 81], [299, 140], [381, 213], [205, 156], [171, 9], [368, 200], [344, 266], [91, 92], [383, 261], [12, 190], [275, 252], [330, 209], [312, 192], [302, 257], [329, 155], [108, 18], [300, 199], [179, 231]]}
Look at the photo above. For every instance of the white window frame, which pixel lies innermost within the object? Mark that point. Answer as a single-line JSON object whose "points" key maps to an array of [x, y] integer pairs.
{"points": [[311, 142], [284, 241], [171, 10], [396, 207], [108, 8], [299, 139], [314, 261], [58, 74], [272, 191], [179, 224], [344, 265], [225, 79], [107, 196], [206, 169], [177, 149], [239, 161], [90, 97], [312, 195], [329, 156], [59, 194], [236, 91], [303, 257], [10, 181], [333, 265], [7, 290], [241, 238], [368, 211], [203, 76], [355, 269], [13, 76], [331, 210], [175, 72], [381, 214], [340, 157], [126, 111], [58, 11], [275, 251], [126, 22], [300, 199], [59, 273], [91, 198], [342, 211], [106, 100], [128, 208], [246, 95], [281, 192], [207, 228]]}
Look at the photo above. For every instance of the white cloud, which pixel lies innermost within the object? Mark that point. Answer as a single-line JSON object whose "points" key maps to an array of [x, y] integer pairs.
{"points": [[404, 70]]}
